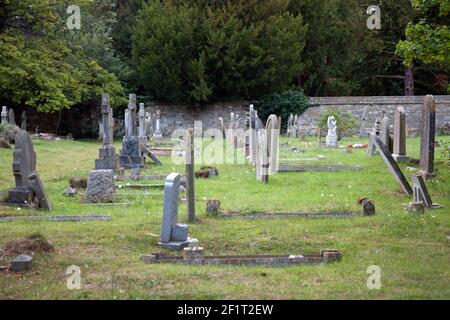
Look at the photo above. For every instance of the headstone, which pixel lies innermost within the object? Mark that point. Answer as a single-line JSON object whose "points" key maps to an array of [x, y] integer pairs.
{"points": [[391, 164], [133, 120], [21, 263], [262, 165], [100, 188], [231, 129], [148, 124], [331, 140], [421, 193], [384, 133], [372, 149], [142, 126], [107, 153], [221, 126], [252, 134], [427, 133], [273, 140], [11, 117], [295, 128], [289, 125], [319, 136], [4, 115], [399, 149], [170, 215], [23, 124], [24, 163], [157, 134], [362, 130], [190, 175], [131, 155], [41, 194]]}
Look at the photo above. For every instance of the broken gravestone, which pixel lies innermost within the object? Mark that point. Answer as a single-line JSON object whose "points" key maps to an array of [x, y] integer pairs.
{"points": [[21, 263], [421, 193], [29, 188]]}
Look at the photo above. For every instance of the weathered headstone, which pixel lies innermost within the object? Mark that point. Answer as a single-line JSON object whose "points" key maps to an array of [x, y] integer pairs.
{"points": [[221, 126], [170, 216], [131, 155], [107, 153], [391, 164], [11, 117], [24, 163], [40, 192], [421, 193], [23, 124], [427, 133], [273, 138], [4, 115], [142, 127], [100, 188], [252, 134], [148, 124], [399, 150], [21, 263], [289, 125], [384, 133], [190, 175], [157, 134], [331, 140], [295, 127], [372, 149]]}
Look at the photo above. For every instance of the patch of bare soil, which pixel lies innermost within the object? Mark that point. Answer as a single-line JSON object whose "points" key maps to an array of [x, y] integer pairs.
{"points": [[35, 243]]}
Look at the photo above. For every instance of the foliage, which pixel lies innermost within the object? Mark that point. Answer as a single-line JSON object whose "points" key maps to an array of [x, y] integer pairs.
{"points": [[282, 104], [346, 122], [8, 132], [199, 51]]}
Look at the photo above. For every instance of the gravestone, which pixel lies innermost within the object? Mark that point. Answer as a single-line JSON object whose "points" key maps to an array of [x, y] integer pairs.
{"points": [[331, 140], [399, 149], [11, 117], [107, 153], [362, 130], [157, 134], [170, 216], [391, 164], [24, 163], [190, 175], [252, 135], [384, 133], [262, 164], [421, 193], [100, 187], [273, 138], [131, 156], [295, 128], [22, 263], [23, 124], [148, 124], [289, 125], [372, 149], [29, 188], [4, 115], [142, 127], [221, 126], [427, 133]]}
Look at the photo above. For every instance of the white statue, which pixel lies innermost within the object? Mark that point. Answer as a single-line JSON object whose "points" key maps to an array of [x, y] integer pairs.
{"points": [[331, 136]]}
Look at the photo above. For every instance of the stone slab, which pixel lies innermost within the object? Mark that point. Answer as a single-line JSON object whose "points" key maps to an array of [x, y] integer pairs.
{"points": [[77, 218], [21, 263], [305, 168]]}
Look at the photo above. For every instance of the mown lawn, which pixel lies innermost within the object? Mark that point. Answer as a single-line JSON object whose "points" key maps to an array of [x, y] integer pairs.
{"points": [[412, 251]]}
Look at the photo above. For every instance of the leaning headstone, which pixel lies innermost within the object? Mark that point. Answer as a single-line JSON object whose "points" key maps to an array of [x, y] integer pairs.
{"points": [[391, 164], [24, 163], [421, 193], [41, 194], [399, 150], [100, 188], [23, 124], [427, 133], [331, 140], [11, 117], [4, 115], [22, 263], [107, 153], [173, 235], [190, 175]]}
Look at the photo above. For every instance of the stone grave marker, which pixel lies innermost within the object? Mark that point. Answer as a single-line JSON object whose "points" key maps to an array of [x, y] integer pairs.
{"points": [[190, 175], [131, 156], [11, 117], [157, 134], [400, 136], [142, 127], [40, 192], [372, 149], [100, 187], [331, 139], [23, 124], [107, 153], [384, 133], [391, 164], [4, 115], [173, 235], [427, 133], [273, 138], [421, 193]]}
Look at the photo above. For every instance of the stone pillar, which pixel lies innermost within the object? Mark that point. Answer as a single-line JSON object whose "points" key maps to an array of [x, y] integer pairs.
{"points": [[190, 178], [427, 133], [400, 136], [4, 115], [252, 135]]}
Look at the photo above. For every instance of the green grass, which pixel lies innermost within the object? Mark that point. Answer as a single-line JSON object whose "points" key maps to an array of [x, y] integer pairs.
{"points": [[412, 251]]}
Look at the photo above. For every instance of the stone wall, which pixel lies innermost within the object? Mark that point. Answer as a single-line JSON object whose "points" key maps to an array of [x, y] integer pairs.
{"points": [[365, 109]]}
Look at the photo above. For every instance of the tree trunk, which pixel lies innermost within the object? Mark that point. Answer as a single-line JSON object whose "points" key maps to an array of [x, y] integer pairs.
{"points": [[409, 81]]}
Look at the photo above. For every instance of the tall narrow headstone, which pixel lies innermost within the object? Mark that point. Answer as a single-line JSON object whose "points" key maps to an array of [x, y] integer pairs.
{"points": [[384, 133], [190, 175], [4, 115], [221, 126], [148, 125], [252, 134], [23, 124], [427, 133], [273, 138], [142, 133], [11, 117], [331, 140], [131, 155], [107, 153], [133, 108], [289, 125], [399, 150], [295, 128], [157, 134], [372, 149]]}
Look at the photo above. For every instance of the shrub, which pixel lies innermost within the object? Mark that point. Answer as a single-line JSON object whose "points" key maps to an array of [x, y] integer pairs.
{"points": [[283, 104], [8, 132], [346, 122]]}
